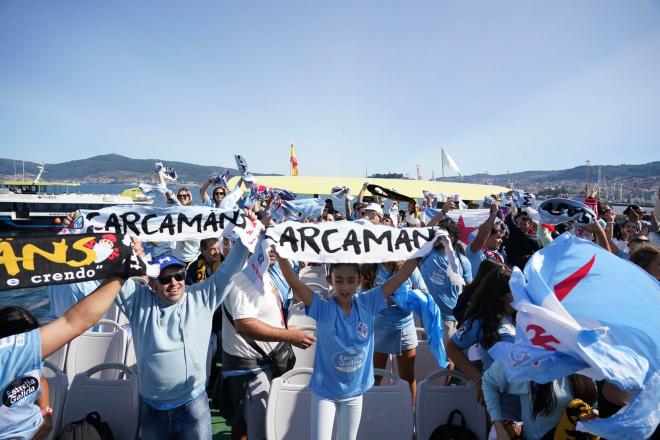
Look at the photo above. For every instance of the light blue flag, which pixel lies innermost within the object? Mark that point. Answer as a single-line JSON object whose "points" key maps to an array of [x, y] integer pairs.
{"points": [[423, 304], [312, 207], [583, 309]]}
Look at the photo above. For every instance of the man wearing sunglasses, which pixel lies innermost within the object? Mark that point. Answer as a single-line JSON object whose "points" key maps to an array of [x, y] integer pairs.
{"points": [[171, 328]]}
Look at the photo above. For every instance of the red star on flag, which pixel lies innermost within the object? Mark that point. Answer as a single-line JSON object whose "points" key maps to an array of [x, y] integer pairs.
{"points": [[464, 230]]}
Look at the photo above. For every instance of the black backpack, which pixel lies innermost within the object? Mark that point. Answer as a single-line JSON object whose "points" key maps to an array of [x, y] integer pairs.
{"points": [[89, 428], [450, 431]]}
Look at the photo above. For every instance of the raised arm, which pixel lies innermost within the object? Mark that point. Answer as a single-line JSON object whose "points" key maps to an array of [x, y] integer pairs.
{"points": [[401, 275], [484, 229], [446, 207], [361, 193], [300, 289], [80, 317], [202, 190]]}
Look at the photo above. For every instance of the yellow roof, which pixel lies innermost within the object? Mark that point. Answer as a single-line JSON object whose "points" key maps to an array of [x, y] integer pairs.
{"points": [[411, 188]]}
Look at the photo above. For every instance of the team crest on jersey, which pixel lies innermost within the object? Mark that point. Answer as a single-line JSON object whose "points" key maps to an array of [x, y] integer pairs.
{"points": [[363, 330], [18, 390]]}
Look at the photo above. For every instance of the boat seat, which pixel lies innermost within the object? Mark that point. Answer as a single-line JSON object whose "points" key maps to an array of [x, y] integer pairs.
{"points": [[305, 357], [297, 316], [58, 384], [94, 348], [288, 410], [435, 401], [116, 400], [387, 410]]}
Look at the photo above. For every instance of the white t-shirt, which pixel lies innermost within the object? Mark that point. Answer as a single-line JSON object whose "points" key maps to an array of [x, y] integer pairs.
{"points": [[241, 304]]}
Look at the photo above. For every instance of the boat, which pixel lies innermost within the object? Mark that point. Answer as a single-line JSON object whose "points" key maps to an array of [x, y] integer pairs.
{"points": [[411, 188], [38, 204]]}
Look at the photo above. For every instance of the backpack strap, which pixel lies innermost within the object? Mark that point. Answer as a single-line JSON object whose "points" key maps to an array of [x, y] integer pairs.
{"points": [[450, 420]]}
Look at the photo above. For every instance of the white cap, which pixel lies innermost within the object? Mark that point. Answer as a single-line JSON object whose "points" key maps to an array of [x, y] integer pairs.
{"points": [[375, 207]]}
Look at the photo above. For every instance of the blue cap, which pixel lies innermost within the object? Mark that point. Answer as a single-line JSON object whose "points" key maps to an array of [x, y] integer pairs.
{"points": [[167, 260]]}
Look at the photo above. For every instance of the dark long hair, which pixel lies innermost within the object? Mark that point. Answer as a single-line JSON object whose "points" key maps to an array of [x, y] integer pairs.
{"points": [[16, 320], [485, 268], [544, 399], [487, 307]]}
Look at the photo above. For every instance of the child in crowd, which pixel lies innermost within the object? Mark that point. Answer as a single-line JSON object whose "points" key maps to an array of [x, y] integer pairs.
{"points": [[343, 366]]}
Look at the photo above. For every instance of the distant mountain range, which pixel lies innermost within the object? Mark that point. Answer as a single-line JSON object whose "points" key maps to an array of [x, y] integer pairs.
{"points": [[114, 167], [111, 167], [575, 175]]}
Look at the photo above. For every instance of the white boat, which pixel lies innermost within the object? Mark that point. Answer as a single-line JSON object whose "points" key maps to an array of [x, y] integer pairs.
{"points": [[39, 204]]}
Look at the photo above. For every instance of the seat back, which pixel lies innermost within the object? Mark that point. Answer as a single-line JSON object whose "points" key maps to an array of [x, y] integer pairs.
{"points": [[289, 401], [58, 359], [58, 385], [435, 401], [387, 410], [425, 362], [116, 400], [305, 357], [297, 316], [94, 348]]}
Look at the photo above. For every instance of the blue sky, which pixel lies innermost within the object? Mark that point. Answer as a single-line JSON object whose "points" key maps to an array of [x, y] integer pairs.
{"points": [[375, 85]]}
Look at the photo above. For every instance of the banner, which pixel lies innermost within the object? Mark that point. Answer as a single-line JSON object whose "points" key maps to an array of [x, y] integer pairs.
{"points": [[176, 223], [63, 259], [351, 242]]}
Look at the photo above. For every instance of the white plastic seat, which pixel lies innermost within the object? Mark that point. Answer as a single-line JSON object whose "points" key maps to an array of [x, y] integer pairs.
{"points": [[94, 348], [297, 316], [387, 410], [314, 274], [425, 362], [289, 406], [435, 401], [116, 400], [58, 359], [305, 357], [58, 384]]}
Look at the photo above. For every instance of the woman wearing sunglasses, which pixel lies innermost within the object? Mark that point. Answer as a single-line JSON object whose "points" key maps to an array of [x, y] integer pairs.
{"points": [[219, 193]]}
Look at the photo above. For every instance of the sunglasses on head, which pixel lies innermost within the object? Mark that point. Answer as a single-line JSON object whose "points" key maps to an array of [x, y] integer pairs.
{"points": [[166, 279]]}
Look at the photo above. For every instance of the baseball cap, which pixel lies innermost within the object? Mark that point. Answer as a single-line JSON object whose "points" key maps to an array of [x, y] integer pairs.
{"points": [[375, 207], [166, 260]]}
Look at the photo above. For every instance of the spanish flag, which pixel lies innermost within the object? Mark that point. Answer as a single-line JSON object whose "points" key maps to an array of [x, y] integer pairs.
{"points": [[294, 162]]}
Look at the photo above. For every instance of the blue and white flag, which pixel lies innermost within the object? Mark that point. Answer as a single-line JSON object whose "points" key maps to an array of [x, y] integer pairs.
{"points": [[308, 207], [583, 309]]}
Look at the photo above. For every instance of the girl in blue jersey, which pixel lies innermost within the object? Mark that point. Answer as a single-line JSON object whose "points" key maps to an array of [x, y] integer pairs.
{"points": [[22, 353], [343, 365]]}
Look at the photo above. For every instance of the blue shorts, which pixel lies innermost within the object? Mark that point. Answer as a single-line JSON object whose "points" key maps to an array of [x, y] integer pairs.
{"points": [[395, 341]]}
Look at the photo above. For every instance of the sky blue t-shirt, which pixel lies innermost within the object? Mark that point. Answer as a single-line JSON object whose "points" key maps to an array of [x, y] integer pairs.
{"points": [[475, 259], [63, 296], [171, 340], [393, 317], [434, 271], [343, 364], [20, 372], [469, 333]]}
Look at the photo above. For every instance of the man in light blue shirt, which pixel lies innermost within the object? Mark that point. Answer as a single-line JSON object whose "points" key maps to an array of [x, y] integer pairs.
{"points": [[171, 326]]}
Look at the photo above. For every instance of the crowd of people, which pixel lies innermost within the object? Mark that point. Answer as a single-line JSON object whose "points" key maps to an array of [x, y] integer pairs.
{"points": [[191, 302]]}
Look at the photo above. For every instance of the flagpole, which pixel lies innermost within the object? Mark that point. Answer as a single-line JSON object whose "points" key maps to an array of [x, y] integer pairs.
{"points": [[442, 153]]}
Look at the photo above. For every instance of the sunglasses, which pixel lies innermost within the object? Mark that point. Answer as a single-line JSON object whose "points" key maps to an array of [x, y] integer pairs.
{"points": [[166, 279], [218, 193], [183, 196]]}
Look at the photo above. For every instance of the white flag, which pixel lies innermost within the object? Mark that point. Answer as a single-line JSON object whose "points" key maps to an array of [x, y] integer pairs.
{"points": [[448, 162]]}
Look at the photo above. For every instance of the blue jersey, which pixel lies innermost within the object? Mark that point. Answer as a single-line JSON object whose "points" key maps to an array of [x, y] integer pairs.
{"points": [[469, 333], [20, 358], [434, 270], [393, 317], [343, 364]]}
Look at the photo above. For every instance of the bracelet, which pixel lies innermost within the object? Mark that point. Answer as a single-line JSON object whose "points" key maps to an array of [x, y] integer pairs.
{"points": [[46, 410]]}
